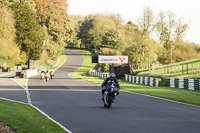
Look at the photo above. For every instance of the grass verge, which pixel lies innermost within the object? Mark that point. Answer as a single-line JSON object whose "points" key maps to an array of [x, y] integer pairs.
{"points": [[22, 118], [176, 94]]}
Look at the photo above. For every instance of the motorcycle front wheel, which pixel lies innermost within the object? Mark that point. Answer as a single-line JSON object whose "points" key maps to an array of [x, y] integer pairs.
{"points": [[110, 100]]}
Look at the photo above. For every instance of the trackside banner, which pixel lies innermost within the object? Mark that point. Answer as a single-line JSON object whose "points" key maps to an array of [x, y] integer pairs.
{"points": [[112, 59]]}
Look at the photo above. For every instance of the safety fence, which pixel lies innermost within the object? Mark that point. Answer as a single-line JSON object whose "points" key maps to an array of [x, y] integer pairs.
{"points": [[184, 68], [95, 73], [191, 84], [142, 80]]}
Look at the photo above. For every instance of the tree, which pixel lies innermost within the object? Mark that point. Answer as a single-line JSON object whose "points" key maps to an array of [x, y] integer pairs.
{"points": [[165, 26], [85, 28], [180, 28], [112, 38], [8, 48], [94, 27], [146, 22], [131, 33], [53, 17], [28, 33], [170, 28]]}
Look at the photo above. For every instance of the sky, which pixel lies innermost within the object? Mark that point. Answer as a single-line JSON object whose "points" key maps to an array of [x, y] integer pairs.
{"points": [[130, 10]]}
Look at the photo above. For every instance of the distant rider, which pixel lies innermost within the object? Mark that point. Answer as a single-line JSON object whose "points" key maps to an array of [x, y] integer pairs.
{"points": [[104, 85], [42, 74], [47, 73], [52, 74]]}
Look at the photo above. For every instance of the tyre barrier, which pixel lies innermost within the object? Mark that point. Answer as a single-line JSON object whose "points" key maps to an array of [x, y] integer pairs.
{"points": [[95, 73], [191, 84], [142, 80]]}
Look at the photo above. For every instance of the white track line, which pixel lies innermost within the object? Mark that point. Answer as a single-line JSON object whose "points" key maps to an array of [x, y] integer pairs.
{"points": [[50, 118], [39, 111], [29, 103], [26, 90], [161, 98], [144, 94]]}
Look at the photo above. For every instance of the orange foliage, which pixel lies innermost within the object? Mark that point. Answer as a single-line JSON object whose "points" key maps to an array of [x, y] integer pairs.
{"points": [[44, 3], [62, 4]]}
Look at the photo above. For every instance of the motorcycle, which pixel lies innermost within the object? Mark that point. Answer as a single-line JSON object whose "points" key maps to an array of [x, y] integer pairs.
{"points": [[47, 76], [110, 94], [42, 75], [52, 75]]}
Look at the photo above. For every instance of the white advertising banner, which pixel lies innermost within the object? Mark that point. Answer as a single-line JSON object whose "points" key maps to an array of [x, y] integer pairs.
{"points": [[113, 59]]}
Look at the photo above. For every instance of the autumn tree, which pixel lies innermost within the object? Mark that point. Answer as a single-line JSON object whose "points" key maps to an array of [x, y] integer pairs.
{"points": [[52, 16]]}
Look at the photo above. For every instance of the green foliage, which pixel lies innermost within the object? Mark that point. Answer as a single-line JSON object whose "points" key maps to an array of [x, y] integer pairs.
{"points": [[28, 33], [131, 33], [52, 50], [57, 28], [84, 34], [112, 38], [8, 48], [94, 27], [76, 23], [105, 67], [110, 51], [181, 95]]}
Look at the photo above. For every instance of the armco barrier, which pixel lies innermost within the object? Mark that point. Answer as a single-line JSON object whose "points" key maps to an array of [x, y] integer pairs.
{"points": [[94, 73], [51, 66], [142, 80], [191, 84]]}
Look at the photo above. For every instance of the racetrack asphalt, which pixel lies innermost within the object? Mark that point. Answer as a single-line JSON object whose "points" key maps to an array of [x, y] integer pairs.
{"points": [[9, 89], [76, 105]]}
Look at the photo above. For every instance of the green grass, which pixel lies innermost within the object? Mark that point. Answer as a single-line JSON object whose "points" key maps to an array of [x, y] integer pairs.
{"points": [[22, 118], [176, 94], [9, 63], [189, 69], [87, 65]]}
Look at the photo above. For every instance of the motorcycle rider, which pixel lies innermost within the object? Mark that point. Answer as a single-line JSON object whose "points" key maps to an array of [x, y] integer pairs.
{"points": [[47, 73], [42, 74], [52, 74], [104, 85]]}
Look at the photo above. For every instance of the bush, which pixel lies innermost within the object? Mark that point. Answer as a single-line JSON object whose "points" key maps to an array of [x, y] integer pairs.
{"points": [[109, 51]]}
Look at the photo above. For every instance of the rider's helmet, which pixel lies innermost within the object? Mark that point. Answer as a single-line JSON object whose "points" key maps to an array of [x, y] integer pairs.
{"points": [[112, 76]]}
